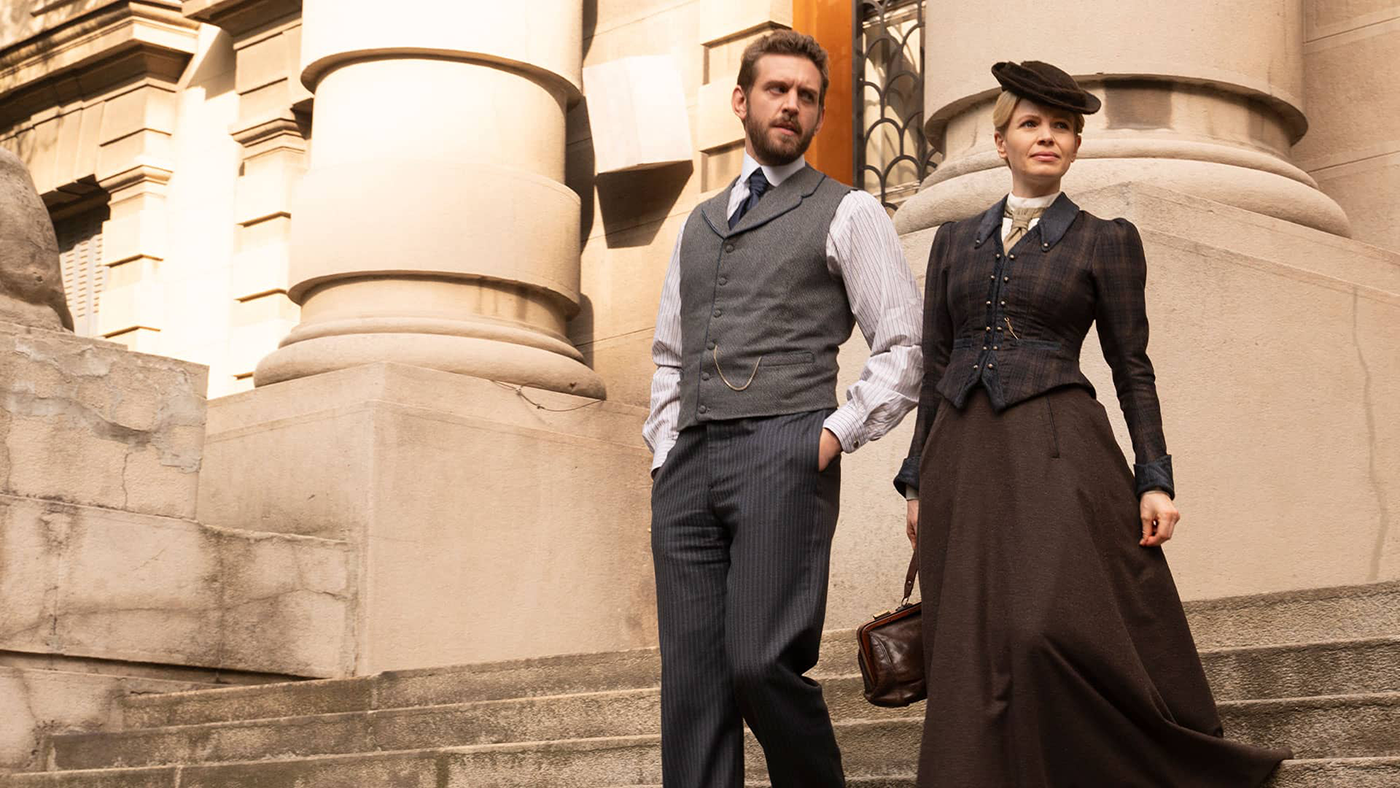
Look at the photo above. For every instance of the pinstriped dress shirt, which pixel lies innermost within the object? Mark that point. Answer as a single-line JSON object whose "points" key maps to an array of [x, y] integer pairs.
{"points": [[863, 250]]}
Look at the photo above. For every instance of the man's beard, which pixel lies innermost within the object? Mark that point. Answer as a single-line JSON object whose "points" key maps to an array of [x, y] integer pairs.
{"points": [[786, 150]]}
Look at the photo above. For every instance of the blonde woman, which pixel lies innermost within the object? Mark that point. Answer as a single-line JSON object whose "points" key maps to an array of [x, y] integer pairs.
{"points": [[1055, 646]]}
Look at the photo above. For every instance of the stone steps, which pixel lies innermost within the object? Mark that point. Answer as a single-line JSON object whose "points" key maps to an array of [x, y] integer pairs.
{"points": [[1315, 727], [592, 720], [630, 762], [1236, 673], [1312, 616]]}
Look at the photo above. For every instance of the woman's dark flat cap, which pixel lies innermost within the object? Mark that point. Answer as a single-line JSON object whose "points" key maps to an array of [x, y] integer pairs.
{"points": [[1045, 84]]}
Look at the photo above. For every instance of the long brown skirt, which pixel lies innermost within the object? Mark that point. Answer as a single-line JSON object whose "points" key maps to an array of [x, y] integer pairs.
{"points": [[1056, 648]]}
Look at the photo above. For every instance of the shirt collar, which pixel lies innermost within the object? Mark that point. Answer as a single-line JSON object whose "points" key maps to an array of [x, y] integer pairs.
{"points": [[775, 175], [1013, 202], [1053, 223]]}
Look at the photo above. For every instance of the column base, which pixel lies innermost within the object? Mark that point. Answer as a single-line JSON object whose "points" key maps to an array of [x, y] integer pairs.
{"points": [[475, 356], [949, 196], [486, 528]]}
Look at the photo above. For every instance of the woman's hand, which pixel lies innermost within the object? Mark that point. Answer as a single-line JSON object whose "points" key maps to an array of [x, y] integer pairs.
{"points": [[911, 527], [1159, 518]]}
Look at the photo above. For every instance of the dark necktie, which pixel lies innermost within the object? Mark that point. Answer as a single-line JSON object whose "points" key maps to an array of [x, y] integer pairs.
{"points": [[758, 184]]}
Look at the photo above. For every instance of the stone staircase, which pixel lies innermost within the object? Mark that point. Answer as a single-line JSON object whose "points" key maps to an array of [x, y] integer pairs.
{"points": [[1316, 670]]}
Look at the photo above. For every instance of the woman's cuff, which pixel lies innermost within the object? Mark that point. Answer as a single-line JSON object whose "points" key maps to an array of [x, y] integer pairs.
{"points": [[1155, 475], [908, 477]]}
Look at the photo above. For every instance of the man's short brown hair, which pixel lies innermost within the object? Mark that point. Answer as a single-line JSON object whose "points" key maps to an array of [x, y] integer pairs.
{"points": [[783, 42]]}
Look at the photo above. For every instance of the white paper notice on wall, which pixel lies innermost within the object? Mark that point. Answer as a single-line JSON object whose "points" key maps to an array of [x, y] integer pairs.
{"points": [[636, 108]]}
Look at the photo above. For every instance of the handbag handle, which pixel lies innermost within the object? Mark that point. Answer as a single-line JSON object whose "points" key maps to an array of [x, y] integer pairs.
{"points": [[909, 578]]}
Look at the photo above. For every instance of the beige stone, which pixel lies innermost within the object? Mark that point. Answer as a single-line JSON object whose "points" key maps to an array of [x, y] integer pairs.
{"points": [[723, 19], [1211, 105], [86, 422], [39, 702], [113, 585], [1369, 190], [637, 111], [379, 231], [718, 126], [327, 456], [1351, 145], [335, 31], [31, 282]]}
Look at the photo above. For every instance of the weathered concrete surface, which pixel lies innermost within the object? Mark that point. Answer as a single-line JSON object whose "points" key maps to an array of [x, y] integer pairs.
{"points": [[31, 281], [85, 581], [44, 702], [473, 510], [1327, 641], [869, 748], [592, 719], [1360, 725], [87, 422]]}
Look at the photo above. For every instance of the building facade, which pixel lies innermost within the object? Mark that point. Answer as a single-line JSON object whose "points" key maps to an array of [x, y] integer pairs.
{"points": [[420, 249]]}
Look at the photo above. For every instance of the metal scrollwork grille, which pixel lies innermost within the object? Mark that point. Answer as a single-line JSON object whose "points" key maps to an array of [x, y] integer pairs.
{"points": [[891, 154]]}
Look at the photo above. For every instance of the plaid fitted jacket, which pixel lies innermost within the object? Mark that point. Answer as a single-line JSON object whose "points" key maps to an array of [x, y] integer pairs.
{"points": [[1015, 322]]}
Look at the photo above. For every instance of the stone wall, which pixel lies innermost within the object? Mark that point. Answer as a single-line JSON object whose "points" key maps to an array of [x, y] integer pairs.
{"points": [[1351, 63]]}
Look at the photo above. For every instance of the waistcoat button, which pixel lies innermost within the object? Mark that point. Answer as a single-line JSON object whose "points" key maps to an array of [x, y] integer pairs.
{"points": [[729, 247], [724, 280], [704, 376], [719, 312], [704, 409], [709, 346]]}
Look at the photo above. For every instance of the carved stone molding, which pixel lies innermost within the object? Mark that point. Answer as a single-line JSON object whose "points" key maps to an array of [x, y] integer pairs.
{"points": [[240, 17]]}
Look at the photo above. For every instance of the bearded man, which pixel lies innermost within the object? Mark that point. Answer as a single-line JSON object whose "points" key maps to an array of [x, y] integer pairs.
{"points": [[767, 280]]}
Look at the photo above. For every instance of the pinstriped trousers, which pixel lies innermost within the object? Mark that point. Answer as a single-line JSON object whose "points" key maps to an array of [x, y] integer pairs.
{"points": [[742, 524]]}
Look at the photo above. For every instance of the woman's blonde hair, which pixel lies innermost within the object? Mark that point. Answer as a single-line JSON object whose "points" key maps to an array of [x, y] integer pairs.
{"points": [[1006, 104]]}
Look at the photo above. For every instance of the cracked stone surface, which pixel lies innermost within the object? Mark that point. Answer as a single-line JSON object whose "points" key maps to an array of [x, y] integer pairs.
{"points": [[91, 582], [40, 702], [88, 422]]}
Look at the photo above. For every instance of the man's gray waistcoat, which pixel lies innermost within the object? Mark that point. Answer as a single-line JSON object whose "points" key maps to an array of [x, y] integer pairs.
{"points": [[759, 307]]}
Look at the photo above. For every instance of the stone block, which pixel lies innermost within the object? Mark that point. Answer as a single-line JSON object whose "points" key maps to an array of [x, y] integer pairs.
{"points": [[146, 108], [390, 457], [39, 702], [1369, 191], [139, 232], [86, 422], [264, 61], [724, 19], [637, 109], [718, 126], [268, 187], [1347, 81], [259, 270], [89, 582], [132, 306]]}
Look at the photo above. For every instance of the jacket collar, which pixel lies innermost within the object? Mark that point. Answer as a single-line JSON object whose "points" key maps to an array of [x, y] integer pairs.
{"points": [[1053, 224], [779, 200]]}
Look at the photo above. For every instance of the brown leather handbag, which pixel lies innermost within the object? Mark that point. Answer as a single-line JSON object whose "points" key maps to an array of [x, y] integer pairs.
{"points": [[891, 652]]}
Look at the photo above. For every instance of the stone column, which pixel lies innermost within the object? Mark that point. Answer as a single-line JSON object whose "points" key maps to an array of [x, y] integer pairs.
{"points": [[433, 227], [1199, 97]]}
